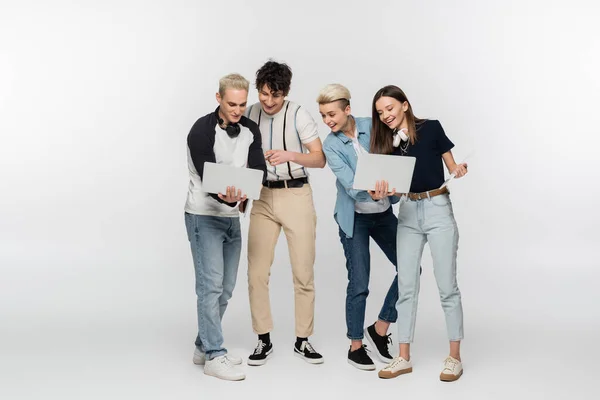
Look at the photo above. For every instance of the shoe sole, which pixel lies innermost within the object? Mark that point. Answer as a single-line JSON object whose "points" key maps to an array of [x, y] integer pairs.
{"points": [[256, 363], [308, 360], [389, 375], [362, 367], [450, 377], [226, 378], [372, 343]]}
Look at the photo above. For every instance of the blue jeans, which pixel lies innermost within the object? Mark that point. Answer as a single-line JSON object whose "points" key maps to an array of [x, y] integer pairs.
{"points": [[382, 228], [421, 221], [216, 243]]}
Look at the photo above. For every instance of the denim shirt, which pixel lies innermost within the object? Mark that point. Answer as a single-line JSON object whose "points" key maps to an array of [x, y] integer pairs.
{"points": [[341, 158]]}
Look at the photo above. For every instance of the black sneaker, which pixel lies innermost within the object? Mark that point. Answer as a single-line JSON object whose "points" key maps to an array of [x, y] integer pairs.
{"points": [[360, 359], [307, 352], [380, 343], [261, 353]]}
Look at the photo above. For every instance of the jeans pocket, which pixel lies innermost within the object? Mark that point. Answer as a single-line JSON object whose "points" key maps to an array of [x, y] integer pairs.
{"points": [[401, 202], [441, 200]]}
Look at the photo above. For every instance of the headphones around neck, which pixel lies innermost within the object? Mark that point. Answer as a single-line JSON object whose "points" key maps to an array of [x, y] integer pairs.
{"points": [[400, 135], [233, 130]]}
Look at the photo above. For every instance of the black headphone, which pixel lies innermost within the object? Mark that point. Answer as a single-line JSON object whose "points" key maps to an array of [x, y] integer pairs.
{"points": [[233, 130]]}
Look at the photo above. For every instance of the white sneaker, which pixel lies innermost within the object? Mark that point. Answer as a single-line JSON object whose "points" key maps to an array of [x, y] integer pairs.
{"points": [[200, 358], [452, 370], [397, 367], [220, 367]]}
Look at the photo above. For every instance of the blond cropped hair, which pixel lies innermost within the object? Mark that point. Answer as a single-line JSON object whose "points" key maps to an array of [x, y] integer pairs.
{"points": [[233, 81], [334, 92]]}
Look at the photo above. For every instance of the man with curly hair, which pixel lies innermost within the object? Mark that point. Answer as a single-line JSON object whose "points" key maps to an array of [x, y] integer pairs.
{"points": [[291, 140]]}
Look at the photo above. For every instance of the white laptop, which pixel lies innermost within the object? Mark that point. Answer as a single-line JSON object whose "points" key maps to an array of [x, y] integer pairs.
{"points": [[218, 176], [397, 170]]}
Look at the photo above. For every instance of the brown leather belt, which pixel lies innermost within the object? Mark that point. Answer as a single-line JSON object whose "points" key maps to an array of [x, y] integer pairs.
{"points": [[425, 195]]}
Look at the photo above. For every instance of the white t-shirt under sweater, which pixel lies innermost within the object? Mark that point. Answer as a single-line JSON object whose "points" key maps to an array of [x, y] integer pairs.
{"points": [[208, 142]]}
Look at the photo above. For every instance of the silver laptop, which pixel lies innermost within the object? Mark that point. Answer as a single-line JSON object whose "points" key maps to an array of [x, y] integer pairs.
{"points": [[218, 176], [397, 170]]}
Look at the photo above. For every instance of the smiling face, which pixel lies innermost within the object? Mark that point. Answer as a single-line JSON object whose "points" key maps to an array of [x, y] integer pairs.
{"points": [[336, 118], [392, 112], [270, 100]]}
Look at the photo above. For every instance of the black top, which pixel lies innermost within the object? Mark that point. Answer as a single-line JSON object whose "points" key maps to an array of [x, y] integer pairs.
{"points": [[431, 143]]}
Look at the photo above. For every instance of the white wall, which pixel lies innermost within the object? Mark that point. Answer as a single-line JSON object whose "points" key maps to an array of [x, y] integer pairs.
{"points": [[96, 100]]}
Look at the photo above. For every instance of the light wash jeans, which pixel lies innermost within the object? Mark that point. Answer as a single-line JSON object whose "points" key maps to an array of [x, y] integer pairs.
{"points": [[216, 243], [427, 221]]}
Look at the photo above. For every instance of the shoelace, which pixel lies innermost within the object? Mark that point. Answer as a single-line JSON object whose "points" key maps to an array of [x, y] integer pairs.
{"points": [[259, 347], [388, 342], [363, 348], [225, 361], [306, 345], [394, 363], [450, 364]]}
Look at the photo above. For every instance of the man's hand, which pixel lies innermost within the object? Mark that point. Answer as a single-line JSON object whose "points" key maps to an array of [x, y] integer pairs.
{"points": [[276, 157], [381, 190], [231, 196]]}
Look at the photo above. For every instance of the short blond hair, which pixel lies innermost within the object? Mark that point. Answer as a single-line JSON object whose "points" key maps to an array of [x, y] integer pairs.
{"points": [[334, 92], [233, 81]]}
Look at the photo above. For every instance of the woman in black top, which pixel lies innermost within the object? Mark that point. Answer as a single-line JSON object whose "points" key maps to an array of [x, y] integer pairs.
{"points": [[425, 216]]}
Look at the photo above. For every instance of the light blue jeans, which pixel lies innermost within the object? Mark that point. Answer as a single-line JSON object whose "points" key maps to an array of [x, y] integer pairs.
{"points": [[430, 221], [216, 243]]}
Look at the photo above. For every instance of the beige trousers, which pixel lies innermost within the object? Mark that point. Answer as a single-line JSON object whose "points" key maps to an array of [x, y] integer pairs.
{"points": [[293, 210]]}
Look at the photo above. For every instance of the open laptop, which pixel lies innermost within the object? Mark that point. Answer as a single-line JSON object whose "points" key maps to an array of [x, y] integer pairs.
{"points": [[397, 170], [218, 176]]}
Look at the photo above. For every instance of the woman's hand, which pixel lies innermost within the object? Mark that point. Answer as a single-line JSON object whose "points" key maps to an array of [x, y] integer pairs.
{"points": [[460, 170], [381, 191]]}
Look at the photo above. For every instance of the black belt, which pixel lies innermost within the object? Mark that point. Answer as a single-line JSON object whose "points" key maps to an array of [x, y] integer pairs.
{"points": [[290, 183]]}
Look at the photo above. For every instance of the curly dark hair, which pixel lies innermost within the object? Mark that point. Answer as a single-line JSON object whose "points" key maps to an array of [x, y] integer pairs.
{"points": [[277, 76]]}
